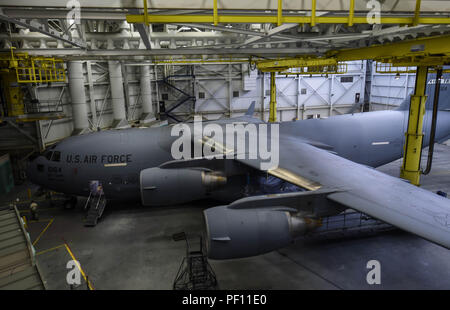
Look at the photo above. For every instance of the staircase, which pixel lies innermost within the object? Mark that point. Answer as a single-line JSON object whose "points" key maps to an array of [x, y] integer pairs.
{"points": [[97, 206], [195, 273]]}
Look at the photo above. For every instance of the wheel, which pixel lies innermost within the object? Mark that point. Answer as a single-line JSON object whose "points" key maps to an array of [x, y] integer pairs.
{"points": [[70, 203]]}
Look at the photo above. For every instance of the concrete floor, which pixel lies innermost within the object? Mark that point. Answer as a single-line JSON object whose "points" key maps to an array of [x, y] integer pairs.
{"points": [[132, 248]]}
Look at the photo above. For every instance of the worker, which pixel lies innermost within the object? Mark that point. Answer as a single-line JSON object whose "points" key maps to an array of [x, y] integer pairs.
{"points": [[33, 210]]}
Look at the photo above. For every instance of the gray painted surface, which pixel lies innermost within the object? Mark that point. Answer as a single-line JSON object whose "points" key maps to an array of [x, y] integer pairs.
{"points": [[131, 248], [333, 153]]}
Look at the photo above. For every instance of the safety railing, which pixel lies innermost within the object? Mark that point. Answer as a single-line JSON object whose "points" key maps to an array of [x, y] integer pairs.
{"points": [[31, 69], [339, 68], [40, 70]]}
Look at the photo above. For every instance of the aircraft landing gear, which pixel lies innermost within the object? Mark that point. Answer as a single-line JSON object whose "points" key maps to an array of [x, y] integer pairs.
{"points": [[71, 202]]}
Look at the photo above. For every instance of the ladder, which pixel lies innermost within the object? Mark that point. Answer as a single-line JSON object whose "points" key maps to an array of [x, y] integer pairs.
{"points": [[97, 206], [195, 273]]}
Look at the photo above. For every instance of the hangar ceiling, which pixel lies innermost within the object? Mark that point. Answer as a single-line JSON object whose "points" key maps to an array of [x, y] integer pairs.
{"points": [[232, 28]]}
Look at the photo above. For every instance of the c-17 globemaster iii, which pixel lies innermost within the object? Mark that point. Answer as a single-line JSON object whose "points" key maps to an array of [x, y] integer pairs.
{"points": [[316, 168]]}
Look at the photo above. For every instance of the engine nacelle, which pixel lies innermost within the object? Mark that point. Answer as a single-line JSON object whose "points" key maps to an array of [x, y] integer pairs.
{"points": [[173, 186], [237, 233]]}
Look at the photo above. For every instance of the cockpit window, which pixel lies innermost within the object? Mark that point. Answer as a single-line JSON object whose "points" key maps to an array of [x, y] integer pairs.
{"points": [[48, 155], [56, 156]]}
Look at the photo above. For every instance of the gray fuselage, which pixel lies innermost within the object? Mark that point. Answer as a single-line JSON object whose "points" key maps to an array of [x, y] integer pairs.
{"points": [[116, 157]]}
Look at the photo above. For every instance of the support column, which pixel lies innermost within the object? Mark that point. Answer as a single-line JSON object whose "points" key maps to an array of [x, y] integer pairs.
{"points": [[146, 94], [117, 97], [91, 95], [273, 99], [230, 92], [413, 144], [78, 97], [263, 97]]}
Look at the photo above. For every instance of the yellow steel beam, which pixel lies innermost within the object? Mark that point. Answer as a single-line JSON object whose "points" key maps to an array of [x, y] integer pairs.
{"points": [[351, 12], [215, 13], [313, 13], [283, 64], [200, 61], [280, 13], [412, 151], [246, 19], [416, 13], [339, 68], [439, 46], [273, 99], [429, 51], [146, 13]]}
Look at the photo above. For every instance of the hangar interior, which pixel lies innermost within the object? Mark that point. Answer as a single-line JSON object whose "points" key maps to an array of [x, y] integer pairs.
{"points": [[73, 68]]}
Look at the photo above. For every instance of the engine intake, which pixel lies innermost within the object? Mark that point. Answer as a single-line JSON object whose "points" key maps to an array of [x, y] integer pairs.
{"points": [[238, 233]]}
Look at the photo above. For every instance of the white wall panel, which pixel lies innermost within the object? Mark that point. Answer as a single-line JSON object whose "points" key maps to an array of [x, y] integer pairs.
{"points": [[389, 90], [324, 94]]}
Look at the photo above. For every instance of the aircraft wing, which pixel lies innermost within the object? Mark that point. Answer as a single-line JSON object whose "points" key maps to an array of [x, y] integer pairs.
{"points": [[362, 188]]}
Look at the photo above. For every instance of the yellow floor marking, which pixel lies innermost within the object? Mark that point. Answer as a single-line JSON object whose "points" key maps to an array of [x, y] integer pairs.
{"points": [[40, 221], [42, 232], [51, 249], [39, 210], [91, 287]]}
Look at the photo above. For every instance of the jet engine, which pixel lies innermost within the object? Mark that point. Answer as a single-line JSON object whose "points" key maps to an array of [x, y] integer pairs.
{"points": [[173, 186], [237, 233]]}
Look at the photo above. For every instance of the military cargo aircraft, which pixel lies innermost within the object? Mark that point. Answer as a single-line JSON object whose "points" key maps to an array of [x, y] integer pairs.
{"points": [[323, 167]]}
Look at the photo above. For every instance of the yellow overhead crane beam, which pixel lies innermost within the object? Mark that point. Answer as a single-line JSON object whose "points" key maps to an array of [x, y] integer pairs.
{"points": [[178, 61], [423, 51], [389, 68], [279, 65], [279, 19], [429, 51], [262, 19]]}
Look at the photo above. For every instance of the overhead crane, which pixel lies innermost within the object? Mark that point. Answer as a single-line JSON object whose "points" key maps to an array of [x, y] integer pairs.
{"points": [[422, 53], [280, 19]]}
